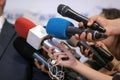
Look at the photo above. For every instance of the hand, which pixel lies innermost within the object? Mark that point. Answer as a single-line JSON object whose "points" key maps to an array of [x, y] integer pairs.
{"points": [[64, 58], [86, 52], [112, 27], [41, 66]]}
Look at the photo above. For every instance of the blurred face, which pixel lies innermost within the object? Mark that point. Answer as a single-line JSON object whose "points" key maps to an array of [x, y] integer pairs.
{"points": [[2, 4]]}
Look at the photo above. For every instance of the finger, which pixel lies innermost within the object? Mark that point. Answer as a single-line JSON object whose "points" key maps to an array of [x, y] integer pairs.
{"points": [[80, 24], [77, 36], [91, 56], [45, 49], [86, 52], [83, 36], [56, 55], [50, 52], [60, 59], [89, 37], [91, 20], [98, 44], [90, 43], [43, 69], [81, 49], [37, 64], [61, 47]]}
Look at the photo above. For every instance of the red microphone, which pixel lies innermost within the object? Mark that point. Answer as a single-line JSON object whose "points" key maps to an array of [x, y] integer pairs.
{"points": [[22, 26], [33, 34]]}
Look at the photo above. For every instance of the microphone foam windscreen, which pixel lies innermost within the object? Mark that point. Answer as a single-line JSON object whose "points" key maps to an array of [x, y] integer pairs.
{"points": [[23, 48], [22, 26], [57, 27]]}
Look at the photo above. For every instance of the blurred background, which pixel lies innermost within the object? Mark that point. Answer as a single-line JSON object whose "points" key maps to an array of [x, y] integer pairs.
{"points": [[40, 11]]}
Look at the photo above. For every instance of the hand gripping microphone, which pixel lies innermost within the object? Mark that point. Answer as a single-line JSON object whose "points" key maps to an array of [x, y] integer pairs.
{"points": [[96, 56], [64, 29], [103, 53], [66, 11]]}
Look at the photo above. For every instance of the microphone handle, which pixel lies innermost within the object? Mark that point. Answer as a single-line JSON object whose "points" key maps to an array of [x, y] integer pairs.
{"points": [[105, 54], [41, 59], [96, 55], [74, 30], [48, 44]]}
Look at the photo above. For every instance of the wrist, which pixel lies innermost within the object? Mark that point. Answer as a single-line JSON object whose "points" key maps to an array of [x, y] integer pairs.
{"points": [[76, 65]]}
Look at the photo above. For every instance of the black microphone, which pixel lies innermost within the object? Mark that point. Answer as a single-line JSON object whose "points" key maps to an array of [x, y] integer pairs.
{"points": [[104, 53], [96, 55], [116, 76], [28, 52], [66, 11]]}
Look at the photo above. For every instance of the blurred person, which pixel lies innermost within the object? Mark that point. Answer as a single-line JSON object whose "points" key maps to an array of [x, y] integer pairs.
{"points": [[12, 65]]}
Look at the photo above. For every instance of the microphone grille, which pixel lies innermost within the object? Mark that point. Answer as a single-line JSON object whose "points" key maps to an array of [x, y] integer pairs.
{"points": [[62, 9]]}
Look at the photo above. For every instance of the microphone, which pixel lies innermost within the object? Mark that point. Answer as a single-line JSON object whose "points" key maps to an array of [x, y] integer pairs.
{"points": [[28, 52], [36, 36], [96, 56], [22, 26], [66, 11], [103, 53], [116, 76], [64, 29]]}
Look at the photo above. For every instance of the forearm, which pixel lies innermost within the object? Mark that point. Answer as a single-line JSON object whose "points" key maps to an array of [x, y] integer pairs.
{"points": [[89, 73]]}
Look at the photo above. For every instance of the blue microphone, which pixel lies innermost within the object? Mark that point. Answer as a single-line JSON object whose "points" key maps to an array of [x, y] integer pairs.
{"points": [[64, 29]]}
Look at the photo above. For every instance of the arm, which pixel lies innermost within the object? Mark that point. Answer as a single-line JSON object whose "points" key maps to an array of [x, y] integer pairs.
{"points": [[78, 66], [90, 73]]}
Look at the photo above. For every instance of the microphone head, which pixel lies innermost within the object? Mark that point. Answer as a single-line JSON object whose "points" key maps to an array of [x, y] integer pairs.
{"points": [[57, 27], [62, 9], [27, 51], [24, 49], [22, 26]]}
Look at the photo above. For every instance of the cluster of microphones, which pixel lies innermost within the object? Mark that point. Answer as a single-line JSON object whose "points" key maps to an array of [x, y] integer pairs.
{"points": [[58, 30]]}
